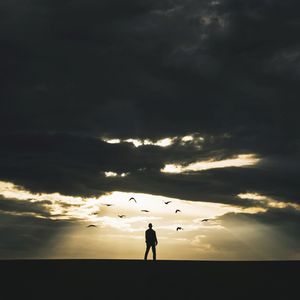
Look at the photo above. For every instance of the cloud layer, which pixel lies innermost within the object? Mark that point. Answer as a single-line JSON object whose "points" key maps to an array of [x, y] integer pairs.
{"points": [[76, 74]]}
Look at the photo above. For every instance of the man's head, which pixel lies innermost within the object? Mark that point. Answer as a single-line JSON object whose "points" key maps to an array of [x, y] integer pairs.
{"points": [[150, 225]]}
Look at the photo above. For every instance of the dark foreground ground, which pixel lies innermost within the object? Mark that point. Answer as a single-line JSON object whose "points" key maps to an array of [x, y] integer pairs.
{"points": [[133, 279]]}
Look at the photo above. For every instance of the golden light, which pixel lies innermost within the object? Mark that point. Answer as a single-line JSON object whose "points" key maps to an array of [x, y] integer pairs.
{"points": [[115, 237], [115, 203]]}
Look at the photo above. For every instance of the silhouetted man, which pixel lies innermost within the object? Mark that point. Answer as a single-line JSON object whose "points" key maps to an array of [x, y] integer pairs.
{"points": [[151, 241]]}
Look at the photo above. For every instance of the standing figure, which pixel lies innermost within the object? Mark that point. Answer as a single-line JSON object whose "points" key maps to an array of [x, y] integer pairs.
{"points": [[151, 241]]}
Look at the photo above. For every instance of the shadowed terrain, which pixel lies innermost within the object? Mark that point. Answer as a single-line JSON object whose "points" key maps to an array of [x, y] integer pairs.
{"points": [[134, 279]]}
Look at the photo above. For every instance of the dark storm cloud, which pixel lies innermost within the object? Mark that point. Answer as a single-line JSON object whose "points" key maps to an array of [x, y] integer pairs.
{"points": [[156, 67], [72, 71], [69, 164], [24, 206], [219, 185], [75, 165]]}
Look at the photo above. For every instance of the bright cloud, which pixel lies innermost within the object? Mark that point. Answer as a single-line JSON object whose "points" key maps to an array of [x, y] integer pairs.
{"points": [[105, 210], [187, 138], [113, 174], [239, 161], [268, 201], [164, 142], [10, 190]]}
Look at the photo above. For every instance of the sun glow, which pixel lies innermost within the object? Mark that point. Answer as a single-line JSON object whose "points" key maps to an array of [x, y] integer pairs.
{"points": [[120, 221], [106, 209]]}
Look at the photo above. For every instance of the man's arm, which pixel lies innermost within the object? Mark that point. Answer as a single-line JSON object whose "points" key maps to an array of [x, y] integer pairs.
{"points": [[156, 242]]}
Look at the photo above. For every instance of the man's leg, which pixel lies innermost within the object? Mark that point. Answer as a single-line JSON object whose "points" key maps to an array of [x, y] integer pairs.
{"points": [[154, 252], [147, 251]]}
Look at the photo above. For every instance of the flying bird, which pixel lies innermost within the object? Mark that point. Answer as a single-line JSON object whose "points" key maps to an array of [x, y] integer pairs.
{"points": [[121, 216], [177, 210], [108, 204], [167, 202], [179, 228], [205, 220], [92, 225], [132, 199], [145, 210]]}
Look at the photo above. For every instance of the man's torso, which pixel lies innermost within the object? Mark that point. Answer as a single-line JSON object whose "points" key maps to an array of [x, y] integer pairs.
{"points": [[150, 236]]}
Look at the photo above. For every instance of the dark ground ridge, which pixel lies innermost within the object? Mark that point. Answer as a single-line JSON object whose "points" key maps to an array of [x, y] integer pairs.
{"points": [[138, 279]]}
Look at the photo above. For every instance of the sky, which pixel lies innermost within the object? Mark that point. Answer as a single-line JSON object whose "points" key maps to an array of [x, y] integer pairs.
{"points": [[189, 101]]}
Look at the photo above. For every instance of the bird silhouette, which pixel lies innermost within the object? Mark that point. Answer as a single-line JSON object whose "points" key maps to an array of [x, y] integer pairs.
{"points": [[205, 220], [167, 202], [107, 204], [121, 216], [179, 228], [132, 199], [92, 225], [177, 210], [145, 210]]}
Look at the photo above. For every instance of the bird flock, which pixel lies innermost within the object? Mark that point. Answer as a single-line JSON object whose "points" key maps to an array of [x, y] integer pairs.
{"points": [[146, 211]]}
